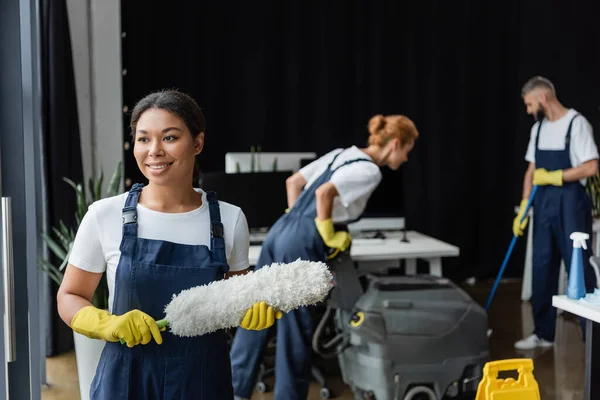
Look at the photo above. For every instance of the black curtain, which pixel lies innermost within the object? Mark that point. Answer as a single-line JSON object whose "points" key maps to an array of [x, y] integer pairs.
{"points": [[307, 76], [62, 149]]}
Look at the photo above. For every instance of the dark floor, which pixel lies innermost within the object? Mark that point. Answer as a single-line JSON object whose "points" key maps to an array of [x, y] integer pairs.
{"points": [[559, 371]]}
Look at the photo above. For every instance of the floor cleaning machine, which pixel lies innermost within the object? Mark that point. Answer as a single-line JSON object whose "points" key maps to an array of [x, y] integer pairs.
{"points": [[402, 337]]}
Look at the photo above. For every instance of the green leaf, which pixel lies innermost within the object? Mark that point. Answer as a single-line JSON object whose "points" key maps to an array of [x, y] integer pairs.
{"points": [[115, 181], [81, 201], [70, 182], [51, 270], [64, 230], [63, 265], [64, 241], [98, 191], [92, 188], [56, 249], [81, 198]]}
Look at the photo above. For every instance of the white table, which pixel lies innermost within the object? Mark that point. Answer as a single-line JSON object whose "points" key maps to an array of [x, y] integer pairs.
{"points": [[370, 253], [376, 224], [592, 339], [594, 244]]}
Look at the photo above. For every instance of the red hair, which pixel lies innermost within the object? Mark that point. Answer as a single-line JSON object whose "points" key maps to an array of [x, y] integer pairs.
{"points": [[383, 129]]}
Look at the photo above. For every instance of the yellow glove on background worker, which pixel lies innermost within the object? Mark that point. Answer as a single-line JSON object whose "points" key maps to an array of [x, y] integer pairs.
{"points": [[336, 240], [518, 226], [542, 177], [260, 317], [134, 327]]}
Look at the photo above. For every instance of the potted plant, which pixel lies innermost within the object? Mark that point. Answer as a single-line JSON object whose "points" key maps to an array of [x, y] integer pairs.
{"points": [[593, 190], [60, 242]]}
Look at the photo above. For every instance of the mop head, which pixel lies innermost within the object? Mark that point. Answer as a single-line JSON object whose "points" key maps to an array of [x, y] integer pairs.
{"points": [[223, 304]]}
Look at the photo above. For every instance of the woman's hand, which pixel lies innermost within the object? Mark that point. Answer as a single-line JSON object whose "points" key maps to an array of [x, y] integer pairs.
{"points": [[259, 317], [133, 328]]}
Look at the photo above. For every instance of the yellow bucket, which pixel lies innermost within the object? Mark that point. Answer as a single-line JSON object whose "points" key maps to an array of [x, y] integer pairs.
{"points": [[524, 387]]}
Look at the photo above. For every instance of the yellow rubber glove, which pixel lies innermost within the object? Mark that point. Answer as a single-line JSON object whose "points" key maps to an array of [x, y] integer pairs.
{"points": [[260, 317], [518, 226], [134, 327], [542, 177], [336, 240]]}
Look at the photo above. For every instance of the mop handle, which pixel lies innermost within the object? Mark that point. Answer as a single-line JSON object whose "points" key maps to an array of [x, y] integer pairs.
{"points": [[510, 249], [161, 324], [529, 203]]}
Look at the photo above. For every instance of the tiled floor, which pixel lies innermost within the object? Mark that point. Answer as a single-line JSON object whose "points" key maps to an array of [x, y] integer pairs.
{"points": [[558, 370]]}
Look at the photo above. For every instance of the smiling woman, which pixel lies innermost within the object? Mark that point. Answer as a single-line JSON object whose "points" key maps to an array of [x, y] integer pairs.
{"points": [[154, 242], [166, 132]]}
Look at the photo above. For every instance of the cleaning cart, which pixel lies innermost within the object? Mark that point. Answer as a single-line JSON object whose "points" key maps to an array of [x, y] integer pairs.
{"points": [[404, 337]]}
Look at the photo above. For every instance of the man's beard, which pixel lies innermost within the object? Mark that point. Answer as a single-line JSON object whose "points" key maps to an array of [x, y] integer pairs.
{"points": [[540, 114]]}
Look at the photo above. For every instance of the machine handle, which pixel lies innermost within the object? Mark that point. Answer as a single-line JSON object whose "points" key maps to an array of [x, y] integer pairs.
{"points": [[397, 304], [10, 343], [493, 367]]}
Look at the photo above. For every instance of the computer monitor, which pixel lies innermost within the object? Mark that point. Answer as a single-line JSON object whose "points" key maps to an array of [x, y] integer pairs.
{"points": [[261, 195], [305, 161], [387, 201]]}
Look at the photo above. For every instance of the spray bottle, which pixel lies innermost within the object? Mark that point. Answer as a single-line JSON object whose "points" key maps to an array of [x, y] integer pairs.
{"points": [[576, 287]]}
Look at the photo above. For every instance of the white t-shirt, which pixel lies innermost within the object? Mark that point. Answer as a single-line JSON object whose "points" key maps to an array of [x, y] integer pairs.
{"points": [[553, 134], [354, 182], [96, 246]]}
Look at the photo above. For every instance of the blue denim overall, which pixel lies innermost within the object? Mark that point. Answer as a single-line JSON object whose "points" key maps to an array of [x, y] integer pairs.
{"points": [[149, 273], [559, 211], [294, 235]]}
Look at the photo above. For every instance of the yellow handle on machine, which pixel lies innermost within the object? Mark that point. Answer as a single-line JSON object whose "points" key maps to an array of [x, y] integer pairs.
{"points": [[524, 387]]}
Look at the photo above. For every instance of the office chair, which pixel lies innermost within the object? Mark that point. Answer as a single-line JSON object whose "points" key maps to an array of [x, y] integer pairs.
{"points": [[267, 366]]}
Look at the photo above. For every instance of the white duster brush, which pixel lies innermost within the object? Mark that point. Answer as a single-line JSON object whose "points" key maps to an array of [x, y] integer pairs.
{"points": [[223, 304]]}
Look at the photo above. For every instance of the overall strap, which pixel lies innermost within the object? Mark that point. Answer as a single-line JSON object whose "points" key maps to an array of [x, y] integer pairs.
{"points": [[317, 181], [129, 213], [217, 238], [537, 136], [334, 158], [352, 161], [568, 137]]}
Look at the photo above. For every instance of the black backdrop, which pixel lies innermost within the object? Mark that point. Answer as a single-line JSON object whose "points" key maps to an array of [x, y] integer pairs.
{"points": [[62, 146], [306, 76]]}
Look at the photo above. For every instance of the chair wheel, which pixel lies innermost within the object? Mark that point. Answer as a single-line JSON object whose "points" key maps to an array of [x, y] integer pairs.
{"points": [[325, 393], [262, 387], [362, 395]]}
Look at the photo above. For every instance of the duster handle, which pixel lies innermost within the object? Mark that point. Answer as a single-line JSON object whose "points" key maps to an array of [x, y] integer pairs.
{"points": [[161, 324]]}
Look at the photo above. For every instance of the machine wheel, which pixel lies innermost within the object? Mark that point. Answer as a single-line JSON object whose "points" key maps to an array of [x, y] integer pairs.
{"points": [[262, 387], [420, 393], [362, 395], [325, 393]]}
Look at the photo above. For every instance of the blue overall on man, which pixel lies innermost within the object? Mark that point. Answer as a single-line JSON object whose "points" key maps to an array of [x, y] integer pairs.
{"points": [[562, 154]]}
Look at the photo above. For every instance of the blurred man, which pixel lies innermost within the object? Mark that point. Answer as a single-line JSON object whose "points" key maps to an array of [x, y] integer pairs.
{"points": [[562, 154]]}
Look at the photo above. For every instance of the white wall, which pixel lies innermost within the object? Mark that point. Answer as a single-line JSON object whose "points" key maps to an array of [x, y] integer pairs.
{"points": [[78, 11], [96, 43]]}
